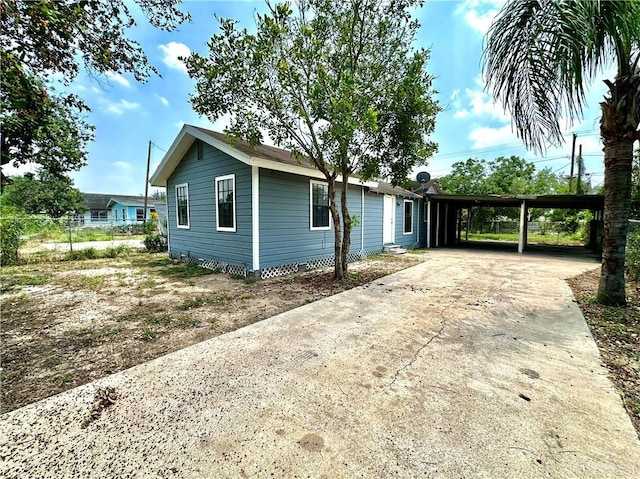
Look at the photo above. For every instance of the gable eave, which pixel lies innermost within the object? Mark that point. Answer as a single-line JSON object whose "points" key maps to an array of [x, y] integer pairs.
{"points": [[189, 133], [179, 148]]}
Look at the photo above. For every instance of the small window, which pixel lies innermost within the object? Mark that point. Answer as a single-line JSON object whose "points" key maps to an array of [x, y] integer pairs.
{"points": [[182, 205], [98, 215], [139, 214], [226, 202], [199, 150], [319, 206], [407, 226]]}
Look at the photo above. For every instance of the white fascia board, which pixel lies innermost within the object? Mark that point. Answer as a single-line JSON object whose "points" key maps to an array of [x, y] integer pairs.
{"points": [[171, 158], [304, 171], [179, 147]]}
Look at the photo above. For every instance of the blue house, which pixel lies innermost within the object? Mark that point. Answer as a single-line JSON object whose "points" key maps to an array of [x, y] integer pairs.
{"points": [[127, 210], [114, 210], [260, 212]]}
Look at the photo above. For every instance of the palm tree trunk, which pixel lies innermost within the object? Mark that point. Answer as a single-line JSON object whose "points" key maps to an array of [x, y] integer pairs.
{"points": [[618, 160]]}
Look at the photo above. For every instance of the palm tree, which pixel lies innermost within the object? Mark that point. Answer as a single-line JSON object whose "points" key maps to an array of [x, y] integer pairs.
{"points": [[539, 57]]}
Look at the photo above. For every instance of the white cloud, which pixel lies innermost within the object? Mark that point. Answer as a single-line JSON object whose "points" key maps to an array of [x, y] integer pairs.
{"points": [[122, 165], [478, 104], [118, 78], [172, 51], [118, 108], [163, 100], [479, 14], [484, 136]]}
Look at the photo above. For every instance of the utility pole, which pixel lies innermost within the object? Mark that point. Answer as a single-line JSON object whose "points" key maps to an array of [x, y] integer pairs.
{"points": [[573, 156], [146, 185], [580, 171]]}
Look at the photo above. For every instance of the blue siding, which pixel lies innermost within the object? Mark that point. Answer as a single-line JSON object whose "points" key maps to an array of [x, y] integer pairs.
{"points": [[202, 240], [373, 209], [285, 235], [402, 239], [129, 211]]}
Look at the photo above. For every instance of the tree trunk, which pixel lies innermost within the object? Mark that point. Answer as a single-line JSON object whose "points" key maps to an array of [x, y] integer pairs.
{"points": [[618, 160], [346, 238], [338, 273]]}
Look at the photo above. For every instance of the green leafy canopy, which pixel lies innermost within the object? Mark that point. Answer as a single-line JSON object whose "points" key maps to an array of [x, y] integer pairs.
{"points": [[336, 82]]}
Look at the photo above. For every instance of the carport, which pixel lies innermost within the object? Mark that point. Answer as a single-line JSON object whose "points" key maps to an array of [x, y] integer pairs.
{"points": [[443, 214]]}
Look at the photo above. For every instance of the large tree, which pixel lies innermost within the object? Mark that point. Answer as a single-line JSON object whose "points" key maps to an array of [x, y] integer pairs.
{"points": [[47, 193], [539, 58], [42, 38], [338, 83]]}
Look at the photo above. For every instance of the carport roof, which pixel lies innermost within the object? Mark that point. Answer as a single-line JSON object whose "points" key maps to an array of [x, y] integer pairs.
{"points": [[587, 202]]}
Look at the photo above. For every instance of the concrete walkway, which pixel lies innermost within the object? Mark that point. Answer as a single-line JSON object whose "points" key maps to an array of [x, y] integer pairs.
{"points": [[469, 365]]}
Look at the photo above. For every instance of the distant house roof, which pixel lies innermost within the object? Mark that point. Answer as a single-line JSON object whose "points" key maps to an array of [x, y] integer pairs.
{"points": [[101, 201], [430, 187]]}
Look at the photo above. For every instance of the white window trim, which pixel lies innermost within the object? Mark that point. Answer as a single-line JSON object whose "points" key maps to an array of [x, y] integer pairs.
{"points": [[178, 225], [226, 228], [311, 227], [404, 217]]}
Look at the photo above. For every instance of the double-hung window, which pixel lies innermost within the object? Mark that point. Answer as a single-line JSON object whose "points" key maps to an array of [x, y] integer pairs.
{"points": [[139, 214], [407, 226], [182, 205], [226, 203], [319, 206]]}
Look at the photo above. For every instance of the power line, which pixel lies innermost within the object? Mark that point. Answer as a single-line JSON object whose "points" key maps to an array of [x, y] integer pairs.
{"points": [[158, 147], [503, 146]]}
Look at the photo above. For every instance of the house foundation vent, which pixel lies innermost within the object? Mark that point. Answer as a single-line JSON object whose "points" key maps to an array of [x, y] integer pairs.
{"points": [[279, 270]]}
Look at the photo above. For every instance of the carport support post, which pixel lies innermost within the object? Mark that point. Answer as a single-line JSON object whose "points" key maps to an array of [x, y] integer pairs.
{"points": [[522, 242], [428, 223], [466, 233]]}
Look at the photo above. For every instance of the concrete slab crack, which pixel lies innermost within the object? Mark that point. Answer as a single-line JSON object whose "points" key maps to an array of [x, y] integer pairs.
{"points": [[417, 353]]}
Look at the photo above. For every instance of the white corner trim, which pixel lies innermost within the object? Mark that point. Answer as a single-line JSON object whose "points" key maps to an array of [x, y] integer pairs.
{"points": [[362, 218], [255, 216], [311, 227], [218, 179], [188, 225]]}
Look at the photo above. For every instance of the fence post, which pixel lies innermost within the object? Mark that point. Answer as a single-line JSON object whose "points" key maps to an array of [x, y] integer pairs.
{"points": [[69, 232]]}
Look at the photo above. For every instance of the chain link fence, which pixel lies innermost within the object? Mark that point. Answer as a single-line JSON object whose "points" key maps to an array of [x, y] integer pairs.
{"points": [[33, 233]]}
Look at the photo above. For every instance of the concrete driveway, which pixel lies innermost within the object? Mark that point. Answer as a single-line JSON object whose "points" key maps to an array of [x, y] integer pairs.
{"points": [[469, 365]]}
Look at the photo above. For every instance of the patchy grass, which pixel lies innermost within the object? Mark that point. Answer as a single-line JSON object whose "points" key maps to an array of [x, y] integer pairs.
{"points": [[616, 331], [200, 301], [12, 280], [183, 271], [82, 320], [533, 238]]}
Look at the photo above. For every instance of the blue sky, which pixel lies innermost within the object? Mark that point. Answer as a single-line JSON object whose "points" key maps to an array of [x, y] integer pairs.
{"points": [[128, 114]]}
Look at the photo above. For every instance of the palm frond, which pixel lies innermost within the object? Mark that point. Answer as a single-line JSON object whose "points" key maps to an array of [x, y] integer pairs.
{"points": [[540, 55]]}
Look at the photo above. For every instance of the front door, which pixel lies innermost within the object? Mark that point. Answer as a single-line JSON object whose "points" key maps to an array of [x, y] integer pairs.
{"points": [[388, 219]]}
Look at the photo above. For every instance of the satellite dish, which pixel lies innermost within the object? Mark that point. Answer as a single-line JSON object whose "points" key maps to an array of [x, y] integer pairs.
{"points": [[423, 177]]}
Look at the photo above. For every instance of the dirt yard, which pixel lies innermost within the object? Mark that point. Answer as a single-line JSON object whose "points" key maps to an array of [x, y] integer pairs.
{"points": [[617, 334], [67, 323]]}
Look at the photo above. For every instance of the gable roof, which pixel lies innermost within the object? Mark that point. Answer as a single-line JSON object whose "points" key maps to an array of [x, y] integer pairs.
{"points": [[263, 156], [101, 201]]}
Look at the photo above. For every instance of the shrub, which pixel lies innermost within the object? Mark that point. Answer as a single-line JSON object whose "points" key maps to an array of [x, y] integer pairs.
{"points": [[10, 239], [80, 254], [633, 255], [155, 243], [115, 251]]}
